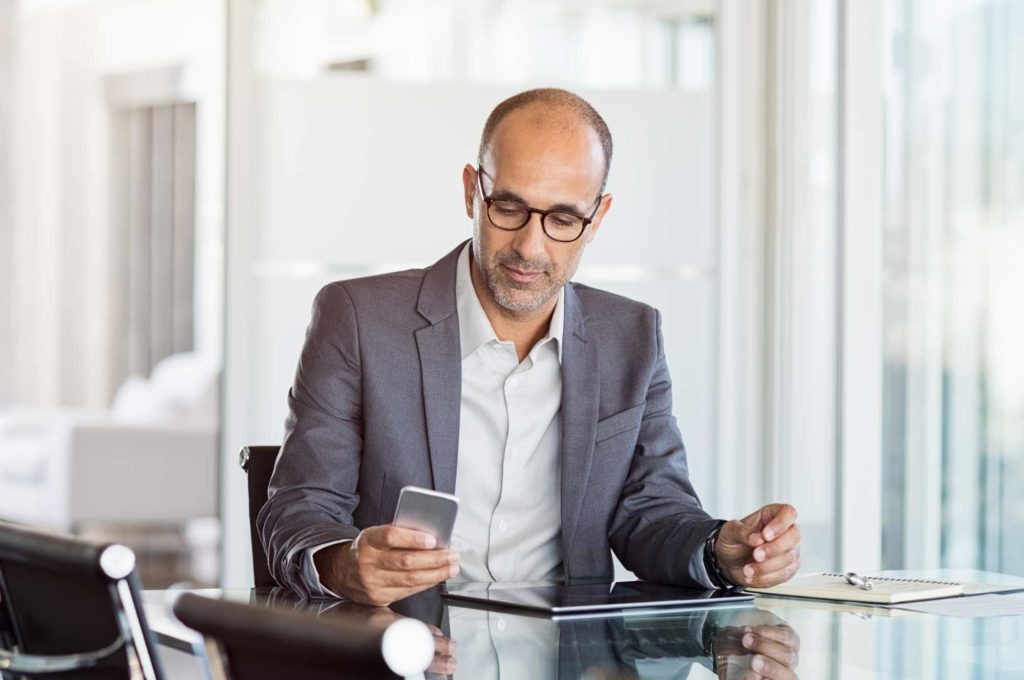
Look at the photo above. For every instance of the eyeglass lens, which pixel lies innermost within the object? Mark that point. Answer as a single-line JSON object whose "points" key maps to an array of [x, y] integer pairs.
{"points": [[557, 225]]}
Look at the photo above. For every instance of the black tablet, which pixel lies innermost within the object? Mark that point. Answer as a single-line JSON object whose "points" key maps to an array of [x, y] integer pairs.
{"points": [[559, 598]]}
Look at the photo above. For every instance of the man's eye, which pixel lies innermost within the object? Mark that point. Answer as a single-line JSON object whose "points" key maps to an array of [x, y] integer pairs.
{"points": [[508, 210], [563, 220]]}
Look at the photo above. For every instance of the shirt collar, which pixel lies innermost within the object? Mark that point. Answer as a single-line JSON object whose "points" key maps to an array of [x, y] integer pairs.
{"points": [[475, 328]]}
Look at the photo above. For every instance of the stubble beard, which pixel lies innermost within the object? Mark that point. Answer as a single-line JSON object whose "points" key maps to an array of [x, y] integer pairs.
{"points": [[517, 297]]}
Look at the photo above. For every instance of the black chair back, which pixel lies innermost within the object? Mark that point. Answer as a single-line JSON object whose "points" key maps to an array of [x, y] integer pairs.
{"points": [[71, 607], [258, 463], [249, 642]]}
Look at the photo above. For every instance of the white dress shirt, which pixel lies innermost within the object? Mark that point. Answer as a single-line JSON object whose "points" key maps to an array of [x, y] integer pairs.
{"points": [[495, 645], [508, 478]]}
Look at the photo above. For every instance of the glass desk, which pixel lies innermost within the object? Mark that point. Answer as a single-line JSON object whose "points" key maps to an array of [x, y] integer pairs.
{"points": [[817, 639]]}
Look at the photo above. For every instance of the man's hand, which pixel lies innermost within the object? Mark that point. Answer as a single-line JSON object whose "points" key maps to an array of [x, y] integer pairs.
{"points": [[762, 549], [764, 646], [444, 663], [385, 564]]}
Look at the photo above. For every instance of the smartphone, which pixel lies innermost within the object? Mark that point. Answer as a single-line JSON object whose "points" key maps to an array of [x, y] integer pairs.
{"points": [[429, 511]]}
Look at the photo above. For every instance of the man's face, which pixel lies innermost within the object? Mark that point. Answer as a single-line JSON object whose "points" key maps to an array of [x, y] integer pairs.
{"points": [[549, 162]]}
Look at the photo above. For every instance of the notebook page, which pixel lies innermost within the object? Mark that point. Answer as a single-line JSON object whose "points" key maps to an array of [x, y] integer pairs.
{"points": [[884, 591]]}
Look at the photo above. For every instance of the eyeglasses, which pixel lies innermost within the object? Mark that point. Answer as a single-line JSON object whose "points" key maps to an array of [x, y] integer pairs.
{"points": [[510, 215]]}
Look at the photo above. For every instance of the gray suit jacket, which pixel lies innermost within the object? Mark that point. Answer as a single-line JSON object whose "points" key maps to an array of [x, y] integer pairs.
{"points": [[375, 406]]}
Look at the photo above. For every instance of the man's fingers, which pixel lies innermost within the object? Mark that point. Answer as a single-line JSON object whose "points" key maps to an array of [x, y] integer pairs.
{"points": [[443, 665], [390, 537], [780, 517], [774, 571], [770, 668], [409, 584], [783, 634], [444, 653], [445, 646], [391, 563], [777, 651], [777, 563], [416, 560], [420, 579], [742, 533], [789, 539], [738, 668]]}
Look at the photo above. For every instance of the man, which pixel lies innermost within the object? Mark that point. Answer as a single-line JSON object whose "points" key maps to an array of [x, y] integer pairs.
{"points": [[544, 405]]}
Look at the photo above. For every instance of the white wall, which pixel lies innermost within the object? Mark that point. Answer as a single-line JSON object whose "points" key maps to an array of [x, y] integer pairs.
{"points": [[6, 256], [320, 184]]}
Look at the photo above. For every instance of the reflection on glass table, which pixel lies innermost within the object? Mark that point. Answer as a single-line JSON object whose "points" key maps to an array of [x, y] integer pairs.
{"points": [[776, 638], [499, 644]]}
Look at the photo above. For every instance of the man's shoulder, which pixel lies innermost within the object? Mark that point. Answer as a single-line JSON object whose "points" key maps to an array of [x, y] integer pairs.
{"points": [[399, 288], [598, 304], [406, 282], [388, 298]]}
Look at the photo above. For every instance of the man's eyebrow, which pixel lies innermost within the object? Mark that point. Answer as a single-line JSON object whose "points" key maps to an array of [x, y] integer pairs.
{"points": [[506, 195]]}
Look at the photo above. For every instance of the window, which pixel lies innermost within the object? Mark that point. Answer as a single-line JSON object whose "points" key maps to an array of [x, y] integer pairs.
{"points": [[953, 246]]}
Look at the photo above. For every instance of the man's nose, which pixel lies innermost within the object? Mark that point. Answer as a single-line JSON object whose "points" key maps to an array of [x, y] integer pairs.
{"points": [[530, 240]]}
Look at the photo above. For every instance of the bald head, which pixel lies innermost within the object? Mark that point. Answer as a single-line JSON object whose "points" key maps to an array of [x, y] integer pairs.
{"points": [[548, 109]]}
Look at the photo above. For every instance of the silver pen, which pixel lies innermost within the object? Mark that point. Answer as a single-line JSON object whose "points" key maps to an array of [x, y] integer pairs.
{"points": [[859, 581]]}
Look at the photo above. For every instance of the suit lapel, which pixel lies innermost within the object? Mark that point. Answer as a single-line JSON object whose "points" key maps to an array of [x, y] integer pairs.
{"points": [[580, 395], [441, 368], [441, 371]]}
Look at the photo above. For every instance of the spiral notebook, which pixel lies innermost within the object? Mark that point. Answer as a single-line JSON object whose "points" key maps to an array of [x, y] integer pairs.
{"points": [[884, 590]]}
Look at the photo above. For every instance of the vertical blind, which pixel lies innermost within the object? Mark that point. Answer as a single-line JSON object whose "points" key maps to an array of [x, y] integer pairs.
{"points": [[157, 236]]}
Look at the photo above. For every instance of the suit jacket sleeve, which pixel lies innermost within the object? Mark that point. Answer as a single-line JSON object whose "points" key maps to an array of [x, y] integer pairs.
{"points": [[659, 527], [313, 491]]}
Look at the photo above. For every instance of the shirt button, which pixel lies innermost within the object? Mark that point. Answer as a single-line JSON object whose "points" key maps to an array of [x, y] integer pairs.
{"points": [[502, 526], [512, 382], [501, 625], [514, 452]]}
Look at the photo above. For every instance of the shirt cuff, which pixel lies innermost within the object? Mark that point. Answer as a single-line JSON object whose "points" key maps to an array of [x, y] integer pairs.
{"points": [[699, 571], [310, 574], [698, 568]]}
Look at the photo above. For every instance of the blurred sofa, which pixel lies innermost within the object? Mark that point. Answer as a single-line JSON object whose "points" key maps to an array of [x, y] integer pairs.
{"points": [[149, 459]]}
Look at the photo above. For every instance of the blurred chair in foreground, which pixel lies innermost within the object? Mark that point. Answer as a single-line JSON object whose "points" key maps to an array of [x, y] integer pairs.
{"points": [[71, 607], [245, 642]]}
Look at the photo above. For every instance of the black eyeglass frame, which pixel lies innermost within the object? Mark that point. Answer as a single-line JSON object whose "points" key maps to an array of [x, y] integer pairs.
{"points": [[489, 201]]}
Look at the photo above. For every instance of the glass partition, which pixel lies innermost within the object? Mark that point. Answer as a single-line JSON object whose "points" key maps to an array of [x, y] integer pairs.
{"points": [[954, 241]]}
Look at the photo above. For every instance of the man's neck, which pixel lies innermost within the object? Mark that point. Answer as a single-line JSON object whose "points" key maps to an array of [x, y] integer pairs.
{"points": [[525, 329]]}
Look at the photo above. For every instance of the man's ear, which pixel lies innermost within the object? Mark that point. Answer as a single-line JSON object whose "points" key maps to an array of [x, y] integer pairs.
{"points": [[469, 188], [606, 205]]}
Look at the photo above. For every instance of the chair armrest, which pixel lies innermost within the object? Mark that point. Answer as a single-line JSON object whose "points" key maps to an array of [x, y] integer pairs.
{"points": [[56, 663]]}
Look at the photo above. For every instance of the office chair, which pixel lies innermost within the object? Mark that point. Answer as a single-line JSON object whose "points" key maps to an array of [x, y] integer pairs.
{"points": [[258, 463], [247, 642], [71, 606]]}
